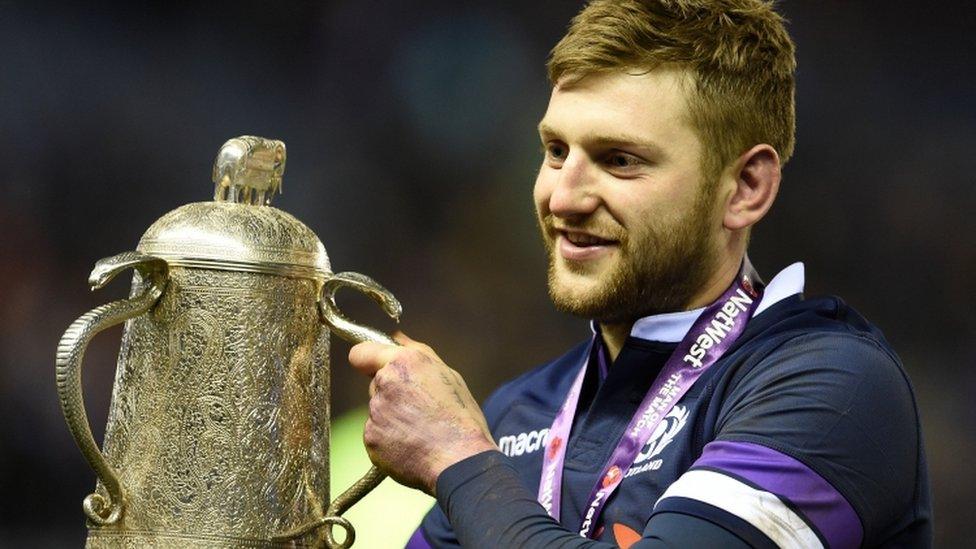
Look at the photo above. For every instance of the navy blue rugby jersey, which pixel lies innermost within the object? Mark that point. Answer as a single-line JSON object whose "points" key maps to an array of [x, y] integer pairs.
{"points": [[804, 434]]}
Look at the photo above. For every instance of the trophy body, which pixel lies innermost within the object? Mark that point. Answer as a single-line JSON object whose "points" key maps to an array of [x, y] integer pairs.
{"points": [[218, 431], [219, 424]]}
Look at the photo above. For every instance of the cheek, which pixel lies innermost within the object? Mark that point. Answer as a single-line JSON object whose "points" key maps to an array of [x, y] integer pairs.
{"points": [[635, 206], [655, 203]]}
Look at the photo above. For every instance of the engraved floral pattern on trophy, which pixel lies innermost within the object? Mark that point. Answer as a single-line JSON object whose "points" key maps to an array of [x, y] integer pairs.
{"points": [[239, 451]]}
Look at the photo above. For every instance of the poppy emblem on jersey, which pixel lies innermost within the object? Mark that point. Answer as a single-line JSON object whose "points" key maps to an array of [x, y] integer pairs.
{"points": [[612, 476], [554, 447], [625, 536]]}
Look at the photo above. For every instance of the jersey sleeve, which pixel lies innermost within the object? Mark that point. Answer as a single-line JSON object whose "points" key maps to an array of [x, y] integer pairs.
{"points": [[435, 530], [816, 445], [490, 507]]}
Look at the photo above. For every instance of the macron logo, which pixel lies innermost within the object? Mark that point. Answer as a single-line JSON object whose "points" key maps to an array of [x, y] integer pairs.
{"points": [[718, 329], [523, 443]]}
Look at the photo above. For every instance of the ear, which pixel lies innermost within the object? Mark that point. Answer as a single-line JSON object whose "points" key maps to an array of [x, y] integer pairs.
{"points": [[756, 175]]}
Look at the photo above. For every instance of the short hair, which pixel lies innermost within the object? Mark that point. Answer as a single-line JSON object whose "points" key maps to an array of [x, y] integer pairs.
{"points": [[740, 58]]}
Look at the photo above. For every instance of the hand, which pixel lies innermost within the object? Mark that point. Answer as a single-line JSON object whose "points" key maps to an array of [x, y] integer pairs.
{"points": [[422, 418]]}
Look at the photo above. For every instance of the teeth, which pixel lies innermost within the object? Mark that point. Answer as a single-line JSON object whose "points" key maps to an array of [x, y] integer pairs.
{"points": [[580, 239]]}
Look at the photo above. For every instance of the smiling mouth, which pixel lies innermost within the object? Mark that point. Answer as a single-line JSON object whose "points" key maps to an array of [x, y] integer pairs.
{"points": [[577, 247], [585, 240]]}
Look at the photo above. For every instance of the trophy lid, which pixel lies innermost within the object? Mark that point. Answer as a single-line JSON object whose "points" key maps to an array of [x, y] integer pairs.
{"points": [[240, 230]]}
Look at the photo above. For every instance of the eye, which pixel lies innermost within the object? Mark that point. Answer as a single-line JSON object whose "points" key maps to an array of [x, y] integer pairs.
{"points": [[555, 152], [621, 161]]}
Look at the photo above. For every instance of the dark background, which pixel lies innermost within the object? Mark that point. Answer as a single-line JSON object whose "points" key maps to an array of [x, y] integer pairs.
{"points": [[412, 153]]}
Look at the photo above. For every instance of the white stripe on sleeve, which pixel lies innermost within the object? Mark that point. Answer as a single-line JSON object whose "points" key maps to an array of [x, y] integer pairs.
{"points": [[759, 508]]}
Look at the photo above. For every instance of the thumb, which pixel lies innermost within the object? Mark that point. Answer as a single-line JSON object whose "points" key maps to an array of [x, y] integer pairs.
{"points": [[368, 357]]}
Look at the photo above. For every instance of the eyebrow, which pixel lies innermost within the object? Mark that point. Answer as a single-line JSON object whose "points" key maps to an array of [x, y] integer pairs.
{"points": [[602, 139]]}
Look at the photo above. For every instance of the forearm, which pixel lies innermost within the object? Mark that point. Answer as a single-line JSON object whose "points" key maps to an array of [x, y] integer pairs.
{"points": [[488, 506]]}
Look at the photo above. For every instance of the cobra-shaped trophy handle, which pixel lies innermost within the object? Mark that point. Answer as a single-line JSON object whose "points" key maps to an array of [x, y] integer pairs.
{"points": [[71, 350], [354, 333]]}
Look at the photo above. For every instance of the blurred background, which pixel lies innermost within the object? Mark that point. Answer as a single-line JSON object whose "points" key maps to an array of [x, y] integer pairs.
{"points": [[412, 152]]}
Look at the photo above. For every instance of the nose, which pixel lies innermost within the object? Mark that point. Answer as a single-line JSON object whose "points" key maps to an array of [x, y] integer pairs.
{"points": [[574, 191]]}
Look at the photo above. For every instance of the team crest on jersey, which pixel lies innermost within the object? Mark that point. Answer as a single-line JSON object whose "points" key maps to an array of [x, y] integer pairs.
{"points": [[663, 435]]}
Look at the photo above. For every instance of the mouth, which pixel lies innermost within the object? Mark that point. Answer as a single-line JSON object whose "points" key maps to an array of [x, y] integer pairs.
{"points": [[580, 246]]}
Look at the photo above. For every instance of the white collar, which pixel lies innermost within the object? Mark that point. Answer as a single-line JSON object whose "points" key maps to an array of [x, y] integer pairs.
{"points": [[672, 327]]}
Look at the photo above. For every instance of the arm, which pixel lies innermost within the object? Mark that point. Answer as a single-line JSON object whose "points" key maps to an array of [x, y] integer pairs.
{"points": [[816, 445], [426, 431], [488, 506]]}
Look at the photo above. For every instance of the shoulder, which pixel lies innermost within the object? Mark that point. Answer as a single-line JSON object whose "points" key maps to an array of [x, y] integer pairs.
{"points": [[821, 341], [850, 364], [830, 376], [825, 351], [829, 396], [540, 386]]}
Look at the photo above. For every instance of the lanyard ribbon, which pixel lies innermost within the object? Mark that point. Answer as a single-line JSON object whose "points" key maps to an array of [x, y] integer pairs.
{"points": [[713, 333]]}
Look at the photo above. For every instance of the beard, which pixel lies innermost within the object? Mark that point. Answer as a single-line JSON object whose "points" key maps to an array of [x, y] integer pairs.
{"points": [[658, 269]]}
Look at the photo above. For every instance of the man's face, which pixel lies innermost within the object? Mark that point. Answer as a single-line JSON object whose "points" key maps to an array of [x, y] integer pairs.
{"points": [[627, 220]]}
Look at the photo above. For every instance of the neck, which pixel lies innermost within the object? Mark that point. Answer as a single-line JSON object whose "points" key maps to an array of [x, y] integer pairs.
{"points": [[716, 284], [615, 334]]}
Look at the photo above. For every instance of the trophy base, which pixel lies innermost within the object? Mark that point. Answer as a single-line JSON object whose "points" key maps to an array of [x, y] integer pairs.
{"points": [[129, 539]]}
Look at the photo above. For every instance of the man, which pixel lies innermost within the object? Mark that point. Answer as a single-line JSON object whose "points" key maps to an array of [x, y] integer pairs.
{"points": [[707, 410]]}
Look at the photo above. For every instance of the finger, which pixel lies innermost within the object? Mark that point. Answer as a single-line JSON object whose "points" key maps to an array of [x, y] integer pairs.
{"points": [[370, 440], [368, 357], [402, 338], [407, 341], [374, 410]]}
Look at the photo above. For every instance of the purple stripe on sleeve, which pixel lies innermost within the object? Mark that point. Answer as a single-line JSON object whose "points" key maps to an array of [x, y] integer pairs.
{"points": [[819, 502], [417, 541]]}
